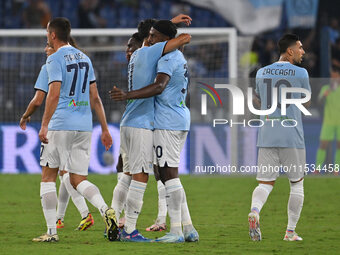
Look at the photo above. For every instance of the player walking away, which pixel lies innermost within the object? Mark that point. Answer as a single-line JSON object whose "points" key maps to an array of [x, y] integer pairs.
{"points": [[65, 189], [66, 127], [330, 95], [171, 122], [136, 134], [279, 145]]}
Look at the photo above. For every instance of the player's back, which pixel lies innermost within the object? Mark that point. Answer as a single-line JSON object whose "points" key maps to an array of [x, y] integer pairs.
{"points": [[273, 133], [74, 70], [170, 110], [139, 113]]}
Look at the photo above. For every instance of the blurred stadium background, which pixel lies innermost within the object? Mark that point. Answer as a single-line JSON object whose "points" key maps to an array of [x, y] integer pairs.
{"points": [[242, 39]]}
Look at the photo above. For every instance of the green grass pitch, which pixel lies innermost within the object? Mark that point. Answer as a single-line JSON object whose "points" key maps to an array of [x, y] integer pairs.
{"points": [[219, 207]]}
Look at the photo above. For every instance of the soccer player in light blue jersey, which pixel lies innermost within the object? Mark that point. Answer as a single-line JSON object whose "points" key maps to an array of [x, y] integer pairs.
{"points": [[136, 130], [279, 145], [66, 128], [172, 123], [65, 188]]}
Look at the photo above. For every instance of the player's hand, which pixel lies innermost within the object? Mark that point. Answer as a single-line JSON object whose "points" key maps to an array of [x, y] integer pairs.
{"points": [[43, 134], [117, 94], [182, 18], [185, 38], [106, 139], [23, 122]]}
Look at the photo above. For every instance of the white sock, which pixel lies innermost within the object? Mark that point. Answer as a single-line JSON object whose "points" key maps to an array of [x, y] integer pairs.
{"points": [[185, 214], [48, 196], [92, 194], [174, 197], [120, 193], [162, 209], [77, 198], [63, 198], [295, 204], [134, 203], [260, 195]]}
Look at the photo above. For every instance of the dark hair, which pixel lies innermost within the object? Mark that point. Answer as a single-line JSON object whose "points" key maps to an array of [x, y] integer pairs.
{"points": [[166, 27], [144, 27], [72, 42], [286, 41], [137, 38], [61, 27]]}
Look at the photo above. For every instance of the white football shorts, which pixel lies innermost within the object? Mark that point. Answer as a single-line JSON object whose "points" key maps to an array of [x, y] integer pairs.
{"points": [[67, 150], [168, 145], [290, 161], [136, 150]]}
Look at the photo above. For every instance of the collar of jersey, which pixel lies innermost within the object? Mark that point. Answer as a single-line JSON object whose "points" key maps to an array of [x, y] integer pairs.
{"points": [[65, 46]]}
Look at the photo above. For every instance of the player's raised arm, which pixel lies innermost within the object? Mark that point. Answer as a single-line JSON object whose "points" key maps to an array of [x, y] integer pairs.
{"points": [[97, 105], [182, 18], [51, 104]]}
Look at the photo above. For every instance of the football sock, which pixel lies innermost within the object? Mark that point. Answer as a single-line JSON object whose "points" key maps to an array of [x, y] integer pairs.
{"points": [[92, 194], [260, 195], [48, 196], [174, 197], [134, 203], [63, 198], [162, 210], [295, 204], [320, 157], [185, 214], [120, 193], [77, 198]]}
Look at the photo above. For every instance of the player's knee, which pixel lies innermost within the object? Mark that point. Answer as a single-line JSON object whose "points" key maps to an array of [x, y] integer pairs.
{"points": [[73, 183], [75, 180], [267, 183], [324, 145], [297, 188]]}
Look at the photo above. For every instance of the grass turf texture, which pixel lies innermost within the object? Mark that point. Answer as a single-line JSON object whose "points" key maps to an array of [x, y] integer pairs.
{"points": [[219, 207]]}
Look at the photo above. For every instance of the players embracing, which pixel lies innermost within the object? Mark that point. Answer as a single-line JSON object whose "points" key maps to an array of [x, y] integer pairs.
{"points": [[165, 90]]}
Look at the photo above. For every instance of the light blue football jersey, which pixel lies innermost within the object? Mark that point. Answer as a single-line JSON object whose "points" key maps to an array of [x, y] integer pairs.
{"points": [[171, 113], [74, 69], [139, 113], [280, 75], [42, 80]]}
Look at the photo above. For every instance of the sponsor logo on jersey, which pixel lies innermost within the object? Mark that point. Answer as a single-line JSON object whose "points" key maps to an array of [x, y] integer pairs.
{"points": [[79, 103]]}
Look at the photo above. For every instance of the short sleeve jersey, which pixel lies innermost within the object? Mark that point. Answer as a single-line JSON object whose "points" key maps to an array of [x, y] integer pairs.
{"points": [[139, 113], [273, 133], [171, 113], [74, 70], [42, 80]]}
